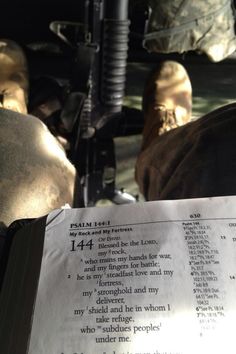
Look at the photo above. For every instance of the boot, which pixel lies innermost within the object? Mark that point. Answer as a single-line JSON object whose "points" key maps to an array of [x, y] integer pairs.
{"points": [[167, 101], [14, 83]]}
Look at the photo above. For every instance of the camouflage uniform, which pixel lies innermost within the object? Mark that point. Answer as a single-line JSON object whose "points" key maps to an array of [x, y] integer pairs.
{"points": [[181, 25]]}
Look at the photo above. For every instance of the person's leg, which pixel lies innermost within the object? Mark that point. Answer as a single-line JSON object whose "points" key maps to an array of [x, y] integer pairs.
{"points": [[35, 175], [13, 77], [195, 160]]}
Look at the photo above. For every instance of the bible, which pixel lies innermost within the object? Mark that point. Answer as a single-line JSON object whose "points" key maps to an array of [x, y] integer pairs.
{"points": [[147, 278]]}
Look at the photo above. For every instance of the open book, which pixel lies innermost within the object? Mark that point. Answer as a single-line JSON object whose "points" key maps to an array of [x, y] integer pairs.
{"points": [[156, 277]]}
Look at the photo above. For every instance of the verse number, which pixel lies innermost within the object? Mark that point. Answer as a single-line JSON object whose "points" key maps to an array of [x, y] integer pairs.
{"points": [[195, 216], [80, 246]]}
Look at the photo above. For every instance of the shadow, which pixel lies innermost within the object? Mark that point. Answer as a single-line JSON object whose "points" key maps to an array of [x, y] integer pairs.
{"points": [[6, 238]]}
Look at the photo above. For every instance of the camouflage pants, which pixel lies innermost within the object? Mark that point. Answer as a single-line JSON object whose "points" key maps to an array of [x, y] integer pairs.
{"points": [[195, 160]]}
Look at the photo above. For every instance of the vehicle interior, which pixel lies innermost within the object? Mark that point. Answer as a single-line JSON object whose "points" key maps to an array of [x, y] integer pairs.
{"points": [[69, 54]]}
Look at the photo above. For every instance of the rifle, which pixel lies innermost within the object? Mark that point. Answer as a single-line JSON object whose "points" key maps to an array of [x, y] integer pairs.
{"points": [[98, 84]]}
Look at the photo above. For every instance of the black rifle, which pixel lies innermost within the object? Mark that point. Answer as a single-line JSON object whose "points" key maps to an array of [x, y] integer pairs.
{"points": [[98, 84]]}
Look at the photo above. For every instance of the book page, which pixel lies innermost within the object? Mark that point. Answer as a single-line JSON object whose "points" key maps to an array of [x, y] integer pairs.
{"points": [[147, 278]]}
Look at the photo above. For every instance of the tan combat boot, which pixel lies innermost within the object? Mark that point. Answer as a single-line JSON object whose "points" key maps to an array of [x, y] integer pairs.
{"points": [[14, 83], [167, 100]]}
